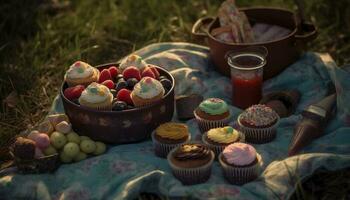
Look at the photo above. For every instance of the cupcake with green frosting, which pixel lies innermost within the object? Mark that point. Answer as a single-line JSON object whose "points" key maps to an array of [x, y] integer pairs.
{"points": [[218, 138], [212, 113]]}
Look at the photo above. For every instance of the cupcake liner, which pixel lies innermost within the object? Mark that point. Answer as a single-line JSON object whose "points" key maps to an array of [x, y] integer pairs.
{"points": [[106, 105], [190, 176], [217, 149], [259, 135], [240, 175], [84, 81], [205, 125], [161, 149]]}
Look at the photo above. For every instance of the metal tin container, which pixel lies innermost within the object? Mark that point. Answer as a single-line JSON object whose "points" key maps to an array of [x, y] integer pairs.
{"points": [[127, 126]]}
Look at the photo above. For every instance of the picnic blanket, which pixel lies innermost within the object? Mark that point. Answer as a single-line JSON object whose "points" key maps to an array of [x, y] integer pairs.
{"points": [[129, 169]]}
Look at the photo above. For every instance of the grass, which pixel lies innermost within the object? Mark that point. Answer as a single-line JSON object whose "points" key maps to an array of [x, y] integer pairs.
{"points": [[37, 45]]}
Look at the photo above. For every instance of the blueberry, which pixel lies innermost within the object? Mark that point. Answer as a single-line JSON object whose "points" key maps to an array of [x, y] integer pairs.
{"points": [[119, 76], [130, 107], [162, 77], [166, 84], [119, 105], [114, 92], [132, 82], [121, 84]]}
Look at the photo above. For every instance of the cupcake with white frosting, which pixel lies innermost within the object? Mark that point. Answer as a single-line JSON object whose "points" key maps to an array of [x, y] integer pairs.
{"points": [[147, 91], [218, 138], [133, 60], [240, 163], [81, 73], [96, 96]]}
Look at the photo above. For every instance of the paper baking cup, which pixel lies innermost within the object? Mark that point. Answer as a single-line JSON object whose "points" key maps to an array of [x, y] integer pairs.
{"points": [[205, 125], [258, 135], [240, 175], [190, 176], [161, 149], [217, 149]]}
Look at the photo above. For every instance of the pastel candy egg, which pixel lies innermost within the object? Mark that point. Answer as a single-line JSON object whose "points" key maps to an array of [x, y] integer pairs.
{"points": [[33, 134], [45, 127], [41, 140], [63, 127], [57, 118]]}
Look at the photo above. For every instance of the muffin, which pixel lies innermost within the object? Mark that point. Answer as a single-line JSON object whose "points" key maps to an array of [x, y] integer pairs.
{"points": [[133, 60], [191, 163], [259, 124], [240, 163], [147, 91], [212, 113], [81, 73], [168, 136], [218, 138], [96, 96]]}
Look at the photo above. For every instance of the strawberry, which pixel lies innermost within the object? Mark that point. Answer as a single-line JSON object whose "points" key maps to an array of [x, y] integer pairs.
{"points": [[131, 72], [105, 75], [108, 83], [155, 71], [113, 71], [125, 95], [72, 93], [147, 72]]}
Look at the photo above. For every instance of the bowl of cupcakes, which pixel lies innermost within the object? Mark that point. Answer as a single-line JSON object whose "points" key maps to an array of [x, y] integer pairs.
{"points": [[118, 102]]}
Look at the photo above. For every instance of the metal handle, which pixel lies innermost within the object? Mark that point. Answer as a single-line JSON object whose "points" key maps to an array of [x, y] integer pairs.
{"points": [[200, 28]]}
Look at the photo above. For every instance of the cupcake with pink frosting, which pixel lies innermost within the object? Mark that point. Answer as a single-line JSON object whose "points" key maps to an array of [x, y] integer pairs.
{"points": [[240, 163]]}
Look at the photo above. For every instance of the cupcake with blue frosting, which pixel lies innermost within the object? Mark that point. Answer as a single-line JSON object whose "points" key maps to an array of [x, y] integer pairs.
{"points": [[212, 113]]}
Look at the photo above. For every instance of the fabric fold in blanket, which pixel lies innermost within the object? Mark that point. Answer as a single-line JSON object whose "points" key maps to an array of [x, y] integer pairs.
{"points": [[129, 169]]}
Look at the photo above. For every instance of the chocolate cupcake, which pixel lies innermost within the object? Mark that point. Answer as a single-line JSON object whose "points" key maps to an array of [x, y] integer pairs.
{"points": [[259, 124], [218, 138], [212, 113], [168, 136], [240, 163], [191, 163]]}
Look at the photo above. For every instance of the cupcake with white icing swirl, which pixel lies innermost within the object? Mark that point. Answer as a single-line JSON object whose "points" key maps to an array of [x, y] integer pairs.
{"points": [[259, 124], [96, 96], [133, 60], [81, 73], [147, 91]]}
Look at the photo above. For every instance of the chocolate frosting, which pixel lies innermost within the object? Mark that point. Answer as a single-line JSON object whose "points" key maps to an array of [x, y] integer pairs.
{"points": [[191, 151]]}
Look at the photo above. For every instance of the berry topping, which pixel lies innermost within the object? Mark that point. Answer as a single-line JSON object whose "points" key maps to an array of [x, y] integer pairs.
{"points": [[154, 70], [77, 64], [124, 95], [114, 92], [166, 84], [132, 82], [72, 93], [119, 105], [109, 84], [148, 73], [118, 77], [121, 84], [132, 72], [113, 71], [105, 75]]}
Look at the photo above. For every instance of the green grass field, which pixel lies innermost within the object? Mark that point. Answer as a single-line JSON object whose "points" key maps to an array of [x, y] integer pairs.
{"points": [[38, 42]]}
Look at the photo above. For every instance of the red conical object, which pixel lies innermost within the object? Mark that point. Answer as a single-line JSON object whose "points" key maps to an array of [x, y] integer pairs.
{"points": [[315, 119]]}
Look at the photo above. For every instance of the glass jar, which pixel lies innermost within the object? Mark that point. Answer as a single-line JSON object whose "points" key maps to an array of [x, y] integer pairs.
{"points": [[247, 75]]}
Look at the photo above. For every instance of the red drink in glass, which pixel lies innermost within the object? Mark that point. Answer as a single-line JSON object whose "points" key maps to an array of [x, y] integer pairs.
{"points": [[246, 77]]}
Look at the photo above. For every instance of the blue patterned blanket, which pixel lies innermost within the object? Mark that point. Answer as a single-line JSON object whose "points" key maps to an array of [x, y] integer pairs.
{"points": [[127, 170]]}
